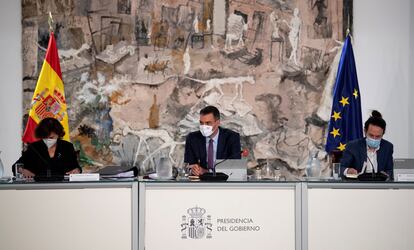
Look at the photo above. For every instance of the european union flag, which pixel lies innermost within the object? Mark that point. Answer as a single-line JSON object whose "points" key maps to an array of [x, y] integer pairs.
{"points": [[346, 118]]}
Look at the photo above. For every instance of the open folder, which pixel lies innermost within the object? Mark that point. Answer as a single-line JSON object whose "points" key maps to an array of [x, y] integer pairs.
{"points": [[117, 172]]}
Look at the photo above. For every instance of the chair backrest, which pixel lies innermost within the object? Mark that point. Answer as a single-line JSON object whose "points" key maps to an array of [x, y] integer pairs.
{"points": [[336, 156]]}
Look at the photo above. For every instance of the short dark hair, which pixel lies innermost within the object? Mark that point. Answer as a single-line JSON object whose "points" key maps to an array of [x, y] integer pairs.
{"points": [[376, 120], [47, 126], [211, 110]]}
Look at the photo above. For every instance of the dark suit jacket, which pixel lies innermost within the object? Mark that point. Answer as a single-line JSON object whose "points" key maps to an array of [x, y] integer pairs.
{"points": [[228, 147], [36, 158], [355, 155]]}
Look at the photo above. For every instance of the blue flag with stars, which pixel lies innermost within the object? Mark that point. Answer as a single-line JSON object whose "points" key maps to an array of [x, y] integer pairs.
{"points": [[346, 118]]}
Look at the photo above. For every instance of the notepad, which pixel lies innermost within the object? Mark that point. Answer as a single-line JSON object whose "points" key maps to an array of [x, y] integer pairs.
{"points": [[84, 177]]}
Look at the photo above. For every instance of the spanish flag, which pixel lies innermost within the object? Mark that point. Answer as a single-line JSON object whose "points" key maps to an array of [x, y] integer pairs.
{"points": [[49, 96]]}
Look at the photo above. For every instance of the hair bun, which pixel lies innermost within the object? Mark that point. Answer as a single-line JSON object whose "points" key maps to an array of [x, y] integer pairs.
{"points": [[376, 114]]}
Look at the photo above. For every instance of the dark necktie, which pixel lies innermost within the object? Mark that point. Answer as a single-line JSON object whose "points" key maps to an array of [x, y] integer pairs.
{"points": [[210, 154]]}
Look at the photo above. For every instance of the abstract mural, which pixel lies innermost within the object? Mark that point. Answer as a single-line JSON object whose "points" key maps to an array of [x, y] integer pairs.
{"points": [[137, 72]]}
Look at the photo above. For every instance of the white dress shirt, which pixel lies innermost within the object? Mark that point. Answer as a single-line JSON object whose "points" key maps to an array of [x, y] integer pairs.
{"points": [[371, 161]]}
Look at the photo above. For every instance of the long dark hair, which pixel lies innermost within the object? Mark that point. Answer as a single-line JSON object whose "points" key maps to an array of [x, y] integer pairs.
{"points": [[375, 119]]}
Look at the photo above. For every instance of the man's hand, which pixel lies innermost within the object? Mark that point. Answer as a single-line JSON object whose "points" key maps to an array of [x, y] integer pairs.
{"points": [[351, 171], [74, 171], [385, 173], [26, 173], [197, 170]]}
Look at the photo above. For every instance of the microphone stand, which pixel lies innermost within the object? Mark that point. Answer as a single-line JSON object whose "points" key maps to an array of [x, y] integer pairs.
{"points": [[372, 166], [214, 174], [218, 163]]}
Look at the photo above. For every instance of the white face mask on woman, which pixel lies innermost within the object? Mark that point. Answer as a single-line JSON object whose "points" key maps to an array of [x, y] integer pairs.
{"points": [[49, 142]]}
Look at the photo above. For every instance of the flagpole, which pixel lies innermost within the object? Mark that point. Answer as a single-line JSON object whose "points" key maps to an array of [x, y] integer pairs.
{"points": [[50, 22], [348, 29]]}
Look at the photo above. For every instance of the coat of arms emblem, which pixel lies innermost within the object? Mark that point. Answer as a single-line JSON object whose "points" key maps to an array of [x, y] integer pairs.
{"points": [[196, 225]]}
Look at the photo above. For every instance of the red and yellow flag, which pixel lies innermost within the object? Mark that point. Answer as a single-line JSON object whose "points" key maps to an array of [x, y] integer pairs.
{"points": [[49, 96]]}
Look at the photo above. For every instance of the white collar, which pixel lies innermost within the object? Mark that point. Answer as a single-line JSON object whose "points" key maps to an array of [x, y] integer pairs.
{"points": [[375, 149], [215, 138]]}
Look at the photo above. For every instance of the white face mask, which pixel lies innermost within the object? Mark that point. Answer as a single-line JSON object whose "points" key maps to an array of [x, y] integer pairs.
{"points": [[206, 130], [50, 142]]}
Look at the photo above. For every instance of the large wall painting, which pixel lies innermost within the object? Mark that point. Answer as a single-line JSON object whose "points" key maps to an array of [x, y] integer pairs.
{"points": [[137, 72]]}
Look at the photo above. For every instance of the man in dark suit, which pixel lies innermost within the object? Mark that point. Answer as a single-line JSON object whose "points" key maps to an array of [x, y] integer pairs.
{"points": [[211, 142], [369, 154]]}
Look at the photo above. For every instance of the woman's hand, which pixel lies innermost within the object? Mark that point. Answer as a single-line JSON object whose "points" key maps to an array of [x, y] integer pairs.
{"points": [[74, 171], [26, 173]]}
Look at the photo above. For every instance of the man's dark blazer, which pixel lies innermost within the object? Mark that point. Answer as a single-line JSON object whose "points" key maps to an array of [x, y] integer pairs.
{"points": [[355, 155], [228, 147]]}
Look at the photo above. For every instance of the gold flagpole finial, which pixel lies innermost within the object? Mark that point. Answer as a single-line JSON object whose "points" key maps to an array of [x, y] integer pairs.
{"points": [[50, 21]]}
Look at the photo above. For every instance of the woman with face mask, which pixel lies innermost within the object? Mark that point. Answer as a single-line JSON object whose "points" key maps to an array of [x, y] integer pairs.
{"points": [[371, 154], [50, 155]]}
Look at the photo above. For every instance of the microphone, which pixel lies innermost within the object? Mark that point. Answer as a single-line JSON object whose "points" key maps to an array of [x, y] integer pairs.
{"points": [[48, 172], [374, 176], [222, 176], [372, 166]]}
